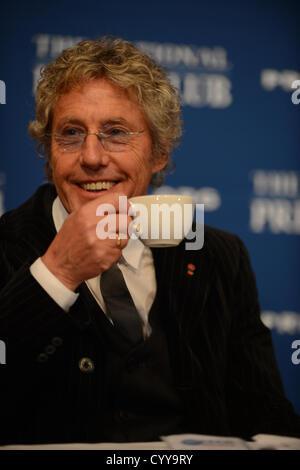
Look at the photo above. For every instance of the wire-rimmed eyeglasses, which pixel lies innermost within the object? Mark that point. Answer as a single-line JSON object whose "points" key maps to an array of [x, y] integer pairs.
{"points": [[112, 140]]}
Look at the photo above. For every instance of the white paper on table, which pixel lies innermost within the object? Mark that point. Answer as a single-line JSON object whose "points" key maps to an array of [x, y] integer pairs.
{"points": [[159, 445], [274, 442], [204, 442]]}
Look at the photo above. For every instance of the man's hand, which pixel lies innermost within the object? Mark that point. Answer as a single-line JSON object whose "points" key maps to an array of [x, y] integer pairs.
{"points": [[76, 253]]}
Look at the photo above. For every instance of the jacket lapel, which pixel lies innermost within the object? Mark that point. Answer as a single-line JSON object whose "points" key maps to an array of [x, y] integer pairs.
{"points": [[182, 300], [185, 293]]}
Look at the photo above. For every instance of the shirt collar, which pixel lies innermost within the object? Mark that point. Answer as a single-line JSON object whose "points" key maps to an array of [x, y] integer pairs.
{"points": [[131, 254]]}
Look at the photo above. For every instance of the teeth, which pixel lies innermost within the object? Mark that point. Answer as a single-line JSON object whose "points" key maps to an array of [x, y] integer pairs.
{"points": [[98, 186]]}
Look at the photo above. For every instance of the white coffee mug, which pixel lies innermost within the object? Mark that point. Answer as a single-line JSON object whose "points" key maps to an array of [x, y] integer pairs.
{"points": [[161, 220]]}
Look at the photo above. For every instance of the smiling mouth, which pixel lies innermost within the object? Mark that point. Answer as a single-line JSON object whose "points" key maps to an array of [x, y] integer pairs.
{"points": [[98, 186]]}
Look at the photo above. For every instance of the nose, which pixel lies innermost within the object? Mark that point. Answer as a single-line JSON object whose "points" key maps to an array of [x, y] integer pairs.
{"points": [[93, 154]]}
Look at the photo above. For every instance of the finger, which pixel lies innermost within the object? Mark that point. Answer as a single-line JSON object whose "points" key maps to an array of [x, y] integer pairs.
{"points": [[117, 223], [119, 241], [116, 202], [123, 222]]}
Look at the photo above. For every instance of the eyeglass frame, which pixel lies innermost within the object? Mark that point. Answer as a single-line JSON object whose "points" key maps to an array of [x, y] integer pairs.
{"points": [[101, 139]]}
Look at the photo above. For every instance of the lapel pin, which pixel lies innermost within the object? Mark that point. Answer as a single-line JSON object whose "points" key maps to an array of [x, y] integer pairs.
{"points": [[190, 269]]}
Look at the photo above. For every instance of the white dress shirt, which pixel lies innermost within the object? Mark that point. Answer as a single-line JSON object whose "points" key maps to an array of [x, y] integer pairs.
{"points": [[136, 264]]}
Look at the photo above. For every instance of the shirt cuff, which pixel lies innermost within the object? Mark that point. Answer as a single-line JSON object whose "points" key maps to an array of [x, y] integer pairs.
{"points": [[63, 296]]}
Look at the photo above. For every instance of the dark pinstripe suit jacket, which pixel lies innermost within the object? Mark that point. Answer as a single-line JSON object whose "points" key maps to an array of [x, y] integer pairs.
{"points": [[220, 353]]}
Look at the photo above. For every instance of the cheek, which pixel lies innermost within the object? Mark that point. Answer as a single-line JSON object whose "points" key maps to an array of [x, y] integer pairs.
{"points": [[61, 167], [141, 172], [139, 162]]}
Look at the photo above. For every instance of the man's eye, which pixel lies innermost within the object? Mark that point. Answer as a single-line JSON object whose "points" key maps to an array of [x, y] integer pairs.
{"points": [[115, 132], [71, 132]]}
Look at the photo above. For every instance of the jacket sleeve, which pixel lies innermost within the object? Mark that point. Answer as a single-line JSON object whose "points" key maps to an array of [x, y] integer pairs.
{"points": [[28, 315], [255, 392], [33, 328]]}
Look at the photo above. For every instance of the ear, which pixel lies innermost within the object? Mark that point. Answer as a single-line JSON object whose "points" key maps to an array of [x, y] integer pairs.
{"points": [[159, 163]]}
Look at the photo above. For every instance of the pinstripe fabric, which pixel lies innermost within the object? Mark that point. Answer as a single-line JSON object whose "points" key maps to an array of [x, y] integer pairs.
{"points": [[221, 355]]}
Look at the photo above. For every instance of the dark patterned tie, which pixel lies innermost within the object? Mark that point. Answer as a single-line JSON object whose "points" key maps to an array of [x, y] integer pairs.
{"points": [[119, 304]]}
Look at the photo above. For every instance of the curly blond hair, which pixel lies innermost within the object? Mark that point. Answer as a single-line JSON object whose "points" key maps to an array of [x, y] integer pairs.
{"points": [[123, 64]]}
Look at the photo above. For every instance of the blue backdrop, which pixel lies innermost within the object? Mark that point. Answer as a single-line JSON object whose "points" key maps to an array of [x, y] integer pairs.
{"points": [[236, 64]]}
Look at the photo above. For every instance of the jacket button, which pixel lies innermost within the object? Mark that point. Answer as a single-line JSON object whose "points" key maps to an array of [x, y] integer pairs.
{"points": [[86, 365], [42, 357], [57, 341], [50, 349]]}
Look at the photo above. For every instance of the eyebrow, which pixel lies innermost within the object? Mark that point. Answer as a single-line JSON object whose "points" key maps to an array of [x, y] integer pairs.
{"points": [[110, 121]]}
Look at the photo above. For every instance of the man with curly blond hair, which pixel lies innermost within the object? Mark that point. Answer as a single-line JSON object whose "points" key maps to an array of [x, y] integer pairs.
{"points": [[107, 121]]}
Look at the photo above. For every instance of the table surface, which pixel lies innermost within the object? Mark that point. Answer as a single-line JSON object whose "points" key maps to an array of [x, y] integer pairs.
{"points": [[159, 445], [192, 442]]}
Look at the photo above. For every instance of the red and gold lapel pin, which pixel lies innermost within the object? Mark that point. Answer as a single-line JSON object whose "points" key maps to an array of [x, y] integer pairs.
{"points": [[191, 268]]}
